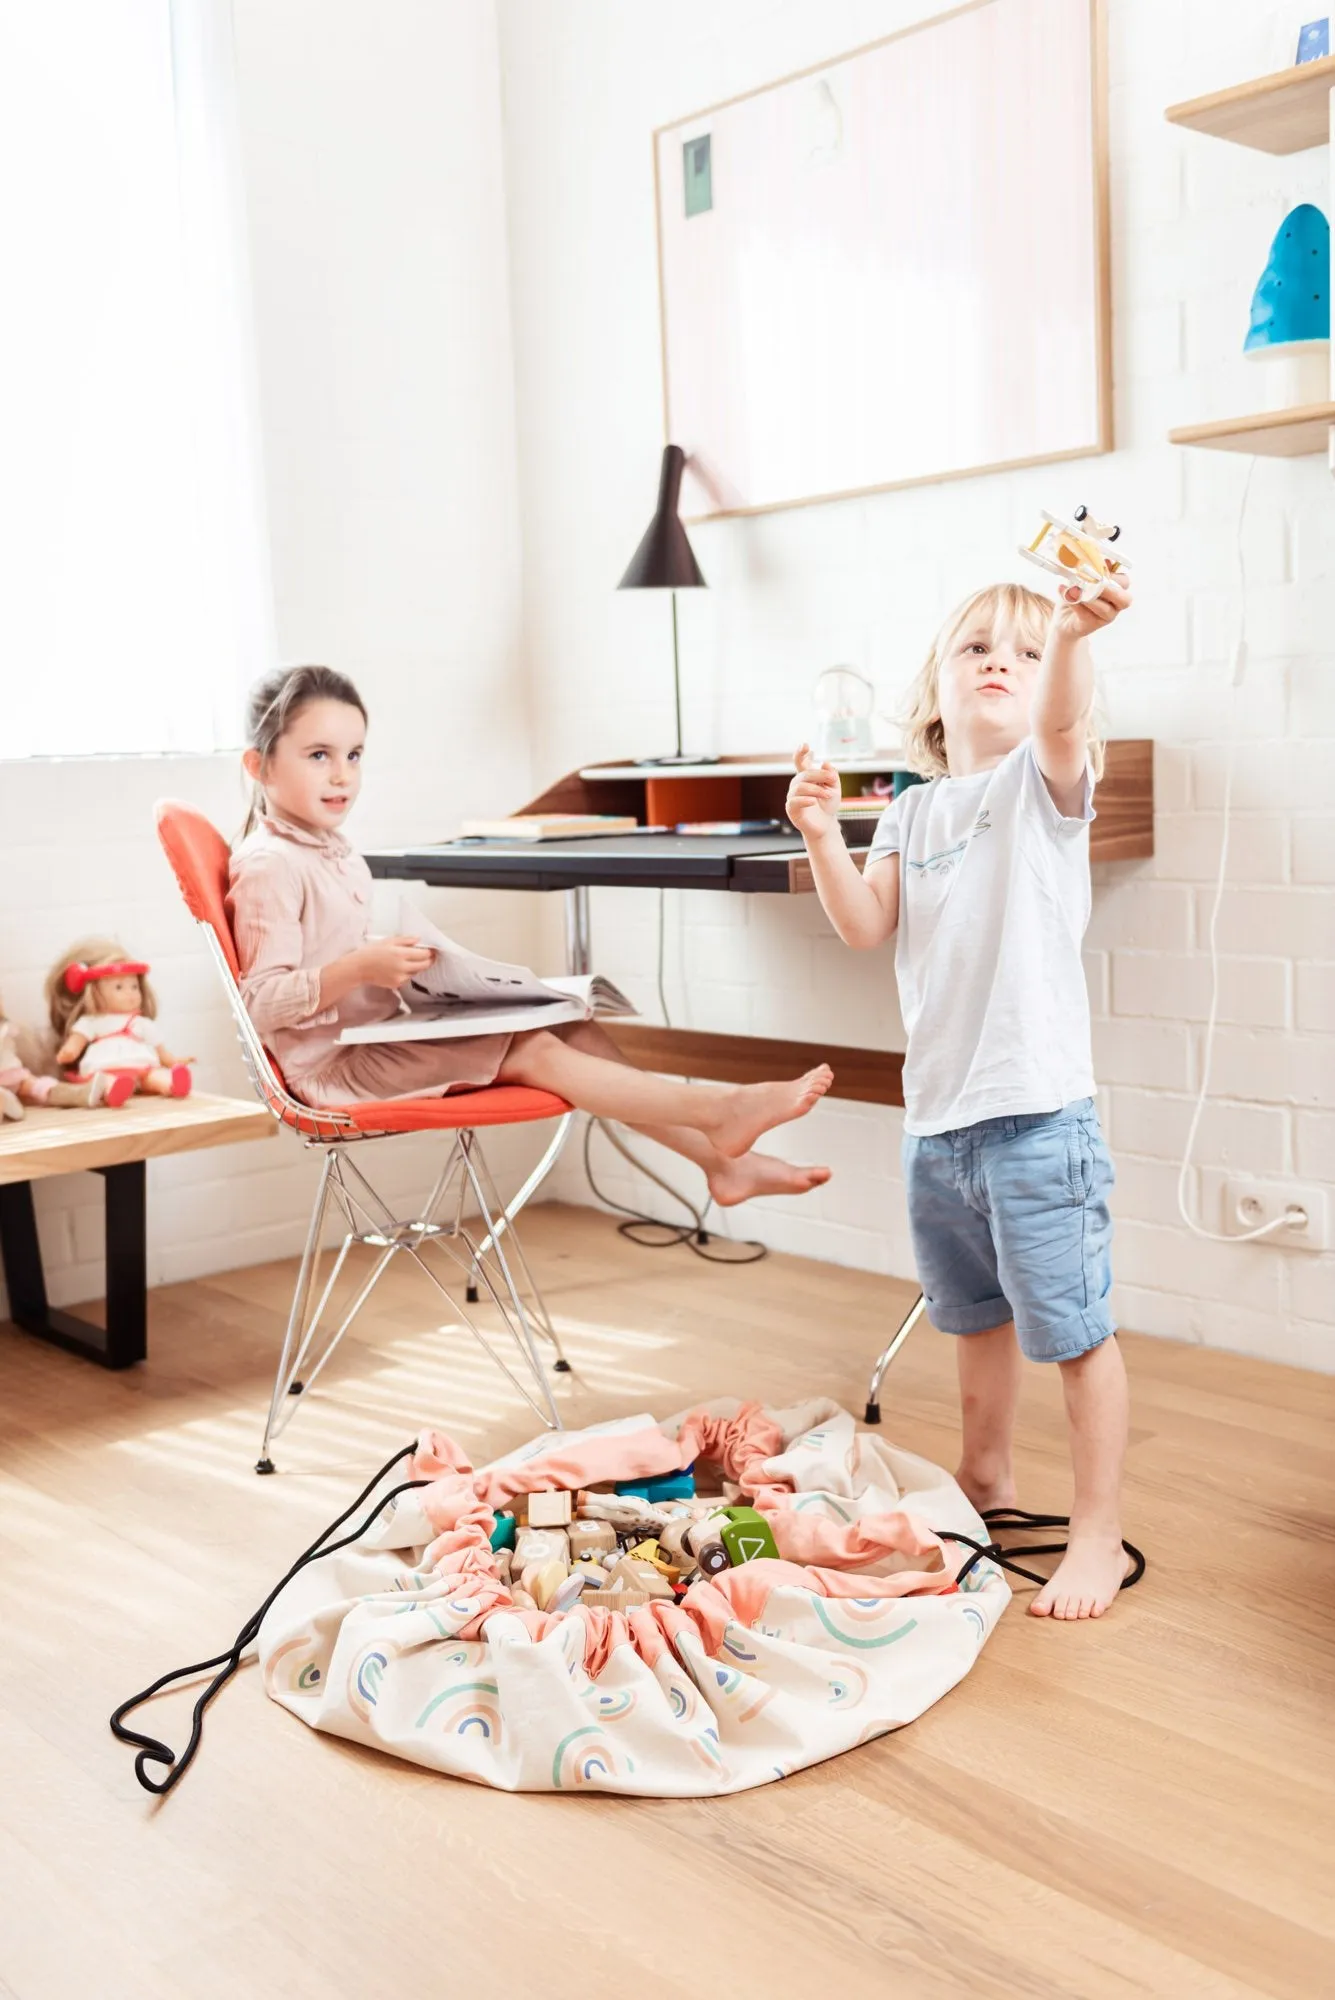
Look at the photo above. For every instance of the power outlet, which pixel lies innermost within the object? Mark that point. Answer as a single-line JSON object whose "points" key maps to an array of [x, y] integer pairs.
{"points": [[1249, 1205]]}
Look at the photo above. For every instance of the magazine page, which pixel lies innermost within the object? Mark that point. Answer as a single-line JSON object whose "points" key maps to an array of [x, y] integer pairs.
{"points": [[463, 976]]}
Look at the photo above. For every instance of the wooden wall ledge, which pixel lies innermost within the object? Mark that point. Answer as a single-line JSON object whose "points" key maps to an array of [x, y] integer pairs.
{"points": [[864, 1076]]}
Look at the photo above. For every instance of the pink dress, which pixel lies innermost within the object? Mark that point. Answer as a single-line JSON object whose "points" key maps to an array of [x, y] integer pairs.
{"points": [[298, 900]]}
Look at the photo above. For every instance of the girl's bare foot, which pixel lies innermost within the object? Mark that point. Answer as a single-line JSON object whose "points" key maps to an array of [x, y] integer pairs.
{"points": [[752, 1108], [761, 1173], [1086, 1580]]}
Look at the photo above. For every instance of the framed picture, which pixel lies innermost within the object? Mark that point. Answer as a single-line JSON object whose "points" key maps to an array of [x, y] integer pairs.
{"points": [[892, 268], [1313, 41]]}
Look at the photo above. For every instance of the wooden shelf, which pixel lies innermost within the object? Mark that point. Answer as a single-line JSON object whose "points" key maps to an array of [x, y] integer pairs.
{"points": [[1283, 113], [1274, 434], [738, 767]]}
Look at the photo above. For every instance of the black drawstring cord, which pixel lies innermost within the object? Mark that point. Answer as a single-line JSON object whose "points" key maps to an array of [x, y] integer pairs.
{"points": [[1015, 1520], [151, 1751]]}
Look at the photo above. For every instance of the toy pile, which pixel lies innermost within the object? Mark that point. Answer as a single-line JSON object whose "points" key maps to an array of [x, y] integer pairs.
{"points": [[641, 1539]]}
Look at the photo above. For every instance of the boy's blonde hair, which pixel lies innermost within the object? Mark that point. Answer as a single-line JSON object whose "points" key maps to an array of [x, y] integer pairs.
{"points": [[1029, 614]]}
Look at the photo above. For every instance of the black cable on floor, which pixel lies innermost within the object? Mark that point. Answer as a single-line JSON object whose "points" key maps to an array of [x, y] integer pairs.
{"points": [[668, 1234], [150, 1750]]}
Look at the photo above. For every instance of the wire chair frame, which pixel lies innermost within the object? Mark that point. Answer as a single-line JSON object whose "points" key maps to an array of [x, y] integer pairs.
{"points": [[488, 1255]]}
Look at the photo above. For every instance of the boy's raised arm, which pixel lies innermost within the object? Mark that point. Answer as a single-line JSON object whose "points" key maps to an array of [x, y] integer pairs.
{"points": [[863, 909], [1064, 692]]}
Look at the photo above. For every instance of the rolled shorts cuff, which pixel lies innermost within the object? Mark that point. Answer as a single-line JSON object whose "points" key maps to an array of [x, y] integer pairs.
{"points": [[969, 1319], [1079, 1333]]}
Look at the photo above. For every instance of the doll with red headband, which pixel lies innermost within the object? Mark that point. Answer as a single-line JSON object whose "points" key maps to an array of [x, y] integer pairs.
{"points": [[102, 1007]]}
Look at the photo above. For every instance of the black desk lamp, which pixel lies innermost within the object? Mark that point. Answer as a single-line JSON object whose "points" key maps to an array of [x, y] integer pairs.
{"points": [[665, 561]]}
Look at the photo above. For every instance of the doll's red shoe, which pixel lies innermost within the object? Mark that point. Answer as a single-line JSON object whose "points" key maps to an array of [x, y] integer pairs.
{"points": [[119, 1091], [181, 1080]]}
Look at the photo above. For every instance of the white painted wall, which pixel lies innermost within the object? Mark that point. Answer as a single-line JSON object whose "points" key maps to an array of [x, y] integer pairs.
{"points": [[372, 159], [866, 581]]}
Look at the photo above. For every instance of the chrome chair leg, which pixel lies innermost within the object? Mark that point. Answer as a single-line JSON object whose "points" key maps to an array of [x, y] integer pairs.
{"points": [[292, 1339], [872, 1413]]}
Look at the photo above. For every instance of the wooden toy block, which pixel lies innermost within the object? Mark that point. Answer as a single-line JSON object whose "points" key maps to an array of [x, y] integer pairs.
{"points": [[672, 1542], [650, 1552], [622, 1510], [544, 1580], [615, 1600], [641, 1577], [747, 1535], [539, 1545], [568, 1596], [548, 1509], [593, 1573], [521, 1599], [669, 1486], [592, 1538], [504, 1565]]}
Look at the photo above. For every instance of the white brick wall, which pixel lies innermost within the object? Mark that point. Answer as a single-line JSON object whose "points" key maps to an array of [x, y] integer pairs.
{"points": [[389, 442], [867, 580]]}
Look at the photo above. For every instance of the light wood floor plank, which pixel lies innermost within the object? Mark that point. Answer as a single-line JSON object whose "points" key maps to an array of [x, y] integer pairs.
{"points": [[1138, 1808]]}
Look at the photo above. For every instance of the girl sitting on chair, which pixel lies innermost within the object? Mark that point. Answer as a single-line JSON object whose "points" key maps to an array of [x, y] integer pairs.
{"points": [[300, 903]]}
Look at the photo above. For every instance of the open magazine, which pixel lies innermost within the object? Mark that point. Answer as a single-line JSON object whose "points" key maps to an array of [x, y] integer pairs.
{"points": [[462, 993]]}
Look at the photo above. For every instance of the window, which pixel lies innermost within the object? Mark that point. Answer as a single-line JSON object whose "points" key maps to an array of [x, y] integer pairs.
{"points": [[136, 605]]}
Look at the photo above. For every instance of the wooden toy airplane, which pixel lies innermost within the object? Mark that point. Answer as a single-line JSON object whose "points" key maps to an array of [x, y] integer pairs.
{"points": [[1079, 554]]}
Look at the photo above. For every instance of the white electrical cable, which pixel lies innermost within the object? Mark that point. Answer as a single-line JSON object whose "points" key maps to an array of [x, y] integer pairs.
{"points": [[1239, 670]]}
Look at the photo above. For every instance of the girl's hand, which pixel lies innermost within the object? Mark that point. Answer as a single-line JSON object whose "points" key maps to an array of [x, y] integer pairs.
{"points": [[393, 961], [813, 796], [1074, 620]]}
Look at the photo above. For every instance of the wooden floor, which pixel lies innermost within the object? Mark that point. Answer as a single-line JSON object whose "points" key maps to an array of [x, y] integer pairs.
{"points": [[1137, 1807]]}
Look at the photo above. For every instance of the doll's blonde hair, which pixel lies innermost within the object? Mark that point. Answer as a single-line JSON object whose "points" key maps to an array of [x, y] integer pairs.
{"points": [[1029, 614], [65, 1008]]}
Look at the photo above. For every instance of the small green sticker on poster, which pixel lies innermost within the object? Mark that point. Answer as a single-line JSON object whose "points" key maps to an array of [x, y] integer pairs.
{"points": [[697, 176]]}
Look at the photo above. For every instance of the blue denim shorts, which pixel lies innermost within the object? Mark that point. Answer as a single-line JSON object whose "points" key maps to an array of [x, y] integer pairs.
{"points": [[1010, 1221]]}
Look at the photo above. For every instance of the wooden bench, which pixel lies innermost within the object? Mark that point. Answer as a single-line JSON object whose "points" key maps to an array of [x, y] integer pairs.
{"points": [[116, 1145]]}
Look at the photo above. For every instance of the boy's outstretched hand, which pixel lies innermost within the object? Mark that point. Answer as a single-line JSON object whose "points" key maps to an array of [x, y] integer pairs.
{"points": [[813, 795], [1074, 620]]}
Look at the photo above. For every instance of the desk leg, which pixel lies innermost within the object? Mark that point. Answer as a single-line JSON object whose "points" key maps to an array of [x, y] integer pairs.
{"points": [[126, 1337], [577, 929]]}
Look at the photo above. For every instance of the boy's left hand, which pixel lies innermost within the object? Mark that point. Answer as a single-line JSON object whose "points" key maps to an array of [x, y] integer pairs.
{"points": [[1075, 620]]}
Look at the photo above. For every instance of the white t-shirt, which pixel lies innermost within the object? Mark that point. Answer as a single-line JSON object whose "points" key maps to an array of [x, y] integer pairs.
{"points": [[993, 903]]}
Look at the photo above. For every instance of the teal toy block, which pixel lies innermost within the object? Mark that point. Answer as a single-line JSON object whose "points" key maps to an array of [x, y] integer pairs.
{"points": [[503, 1534], [747, 1535], [671, 1486]]}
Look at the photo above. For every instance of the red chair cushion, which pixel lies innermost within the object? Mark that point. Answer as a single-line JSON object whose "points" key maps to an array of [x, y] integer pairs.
{"points": [[461, 1111], [199, 858]]}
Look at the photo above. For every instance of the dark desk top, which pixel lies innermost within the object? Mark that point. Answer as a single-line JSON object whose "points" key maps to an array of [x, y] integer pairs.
{"points": [[757, 861]]}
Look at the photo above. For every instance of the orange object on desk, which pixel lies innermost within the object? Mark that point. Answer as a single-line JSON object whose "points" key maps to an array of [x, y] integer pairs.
{"points": [[668, 801]]}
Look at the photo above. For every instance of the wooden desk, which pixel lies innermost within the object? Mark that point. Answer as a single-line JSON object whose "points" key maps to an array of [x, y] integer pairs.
{"points": [[758, 864], [114, 1144]]}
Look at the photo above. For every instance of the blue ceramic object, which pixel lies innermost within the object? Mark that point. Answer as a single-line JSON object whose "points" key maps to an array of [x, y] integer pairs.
{"points": [[1292, 300]]}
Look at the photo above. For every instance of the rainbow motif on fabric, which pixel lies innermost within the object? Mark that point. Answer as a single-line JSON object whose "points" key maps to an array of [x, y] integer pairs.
{"points": [[980, 1576], [291, 1670], [848, 1688], [826, 1503], [857, 1621], [364, 1678], [733, 1647], [971, 1611], [745, 1696], [611, 1703], [707, 1748], [471, 1708], [586, 1759]]}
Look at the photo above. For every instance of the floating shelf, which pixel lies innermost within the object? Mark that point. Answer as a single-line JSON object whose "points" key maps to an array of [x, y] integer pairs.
{"points": [[1274, 434], [1284, 113]]}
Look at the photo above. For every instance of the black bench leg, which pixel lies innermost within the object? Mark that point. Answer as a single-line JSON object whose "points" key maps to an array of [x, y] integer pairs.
{"points": [[126, 1337]]}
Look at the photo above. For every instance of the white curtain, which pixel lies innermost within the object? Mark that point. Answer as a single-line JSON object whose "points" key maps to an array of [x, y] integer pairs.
{"points": [[136, 603]]}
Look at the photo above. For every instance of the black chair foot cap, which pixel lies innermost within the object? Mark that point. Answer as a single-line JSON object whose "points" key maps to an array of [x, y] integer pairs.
{"points": [[872, 1414], [265, 1465], [561, 1367], [295, 1388], [470, 1294]]}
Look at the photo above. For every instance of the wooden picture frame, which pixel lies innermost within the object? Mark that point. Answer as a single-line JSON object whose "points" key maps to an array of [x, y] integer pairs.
{"points": [[733, 372]]}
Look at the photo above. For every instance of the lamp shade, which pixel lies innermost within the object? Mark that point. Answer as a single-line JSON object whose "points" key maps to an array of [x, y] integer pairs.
{"points": [[665, 560], [1292, 297]]}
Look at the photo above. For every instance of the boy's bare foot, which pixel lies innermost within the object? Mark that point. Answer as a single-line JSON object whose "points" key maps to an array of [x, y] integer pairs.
{"points": [[1086, 1580], [752, 1108], [760, 1173], [986, 1489]]}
